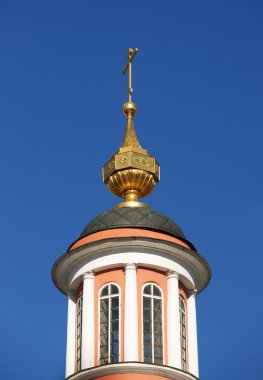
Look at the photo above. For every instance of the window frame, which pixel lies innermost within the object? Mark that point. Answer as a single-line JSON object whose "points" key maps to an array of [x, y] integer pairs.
{"points": [[142, 320], [99, 316]]}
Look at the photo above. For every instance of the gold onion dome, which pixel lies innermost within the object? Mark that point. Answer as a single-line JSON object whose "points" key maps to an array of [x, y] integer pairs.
{"points": [[131, 173]]}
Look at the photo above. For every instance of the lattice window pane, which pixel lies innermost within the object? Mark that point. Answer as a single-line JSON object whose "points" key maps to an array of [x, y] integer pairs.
{"points": [[158, 352], [148, 350], [114, 289], [152, 325], [115, 359], [109, 325], [147, 338], [79, 331], [147, 302], [105, 291], [115, 302], [115, 338], [115, 314], [183, 333], [104, 353], [156, 291], [147, 289]]}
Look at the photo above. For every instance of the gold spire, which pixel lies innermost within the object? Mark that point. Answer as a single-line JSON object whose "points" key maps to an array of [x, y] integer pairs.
{"points": [[132, 172], [129, 108]]}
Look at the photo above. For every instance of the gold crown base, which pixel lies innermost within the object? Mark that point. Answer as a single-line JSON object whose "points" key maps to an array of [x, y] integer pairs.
{"points": [[131, 184]]}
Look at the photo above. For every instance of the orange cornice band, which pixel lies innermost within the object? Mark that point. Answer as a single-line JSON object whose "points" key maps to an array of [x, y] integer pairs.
{"points": [[126, 232]]}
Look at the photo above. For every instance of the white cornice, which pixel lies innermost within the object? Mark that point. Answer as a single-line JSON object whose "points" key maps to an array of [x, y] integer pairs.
{"points": [[109, 253]]}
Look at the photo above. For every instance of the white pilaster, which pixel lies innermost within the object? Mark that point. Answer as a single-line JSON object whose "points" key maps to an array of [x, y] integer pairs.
{"points": [[87, 341], [173, 321], [71, 338], [192, 336], [131, 314]]}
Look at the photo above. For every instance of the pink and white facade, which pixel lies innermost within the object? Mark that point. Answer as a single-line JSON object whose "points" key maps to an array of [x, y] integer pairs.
{"points": [[131, 303]]}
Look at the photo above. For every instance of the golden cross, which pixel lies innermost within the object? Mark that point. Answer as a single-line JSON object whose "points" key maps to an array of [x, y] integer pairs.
{"points": [[131, 55]]}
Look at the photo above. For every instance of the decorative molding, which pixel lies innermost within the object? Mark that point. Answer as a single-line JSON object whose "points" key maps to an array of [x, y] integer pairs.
{"points": [[135, 368], [87, 275], [130, 266], [172, 274], [109, 253]]}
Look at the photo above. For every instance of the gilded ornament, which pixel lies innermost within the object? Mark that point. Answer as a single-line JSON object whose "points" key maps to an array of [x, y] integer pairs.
{"points": [[132, 173]]}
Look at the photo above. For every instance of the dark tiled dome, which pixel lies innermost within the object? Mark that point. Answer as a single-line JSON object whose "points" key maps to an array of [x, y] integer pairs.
{"points": [[139, 217]]}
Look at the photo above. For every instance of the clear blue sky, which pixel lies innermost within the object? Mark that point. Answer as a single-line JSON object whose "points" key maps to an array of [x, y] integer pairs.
{"points": [[198, 85]]}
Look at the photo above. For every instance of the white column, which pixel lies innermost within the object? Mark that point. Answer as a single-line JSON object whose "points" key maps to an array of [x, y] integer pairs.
{"points": [[87, 341], [173, 321], [130, 314], [71, 337], [192, 336]]}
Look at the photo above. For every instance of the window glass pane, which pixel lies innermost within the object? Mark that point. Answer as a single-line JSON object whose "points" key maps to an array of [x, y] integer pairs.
{"points": [[147, 350], [114, 289], [158, 341], [104, 352], [115, 314], [115, 349], [158, 351], [105, 291], [147, 289], [104, 304], [157, 304], [157, 315], [115, 326], [103, 328], [156, 291], [104, 317], [115, 302], [182, 304], [104, 339], [152, 325], [158, 361], [79, 326], [147, 338], [147, 327], [158, 328], [115, 337], [146, 302], [183, 332], [147, 314], [109, 325], [147, 359]]}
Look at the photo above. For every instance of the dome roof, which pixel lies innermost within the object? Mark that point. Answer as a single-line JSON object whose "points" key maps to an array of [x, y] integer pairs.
{"points": [[138, 217]]}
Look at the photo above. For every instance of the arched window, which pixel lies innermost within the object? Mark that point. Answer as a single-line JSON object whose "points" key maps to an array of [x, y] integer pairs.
{"points": [[182, 310], [152, 325], [79, 328], [109, 324]]}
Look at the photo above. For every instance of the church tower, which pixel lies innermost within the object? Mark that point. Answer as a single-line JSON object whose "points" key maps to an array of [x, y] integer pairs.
{"points": [[131, 279]]}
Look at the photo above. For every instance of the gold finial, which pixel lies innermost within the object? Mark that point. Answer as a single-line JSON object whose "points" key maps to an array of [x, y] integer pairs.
{"points": [[131, 173]]}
